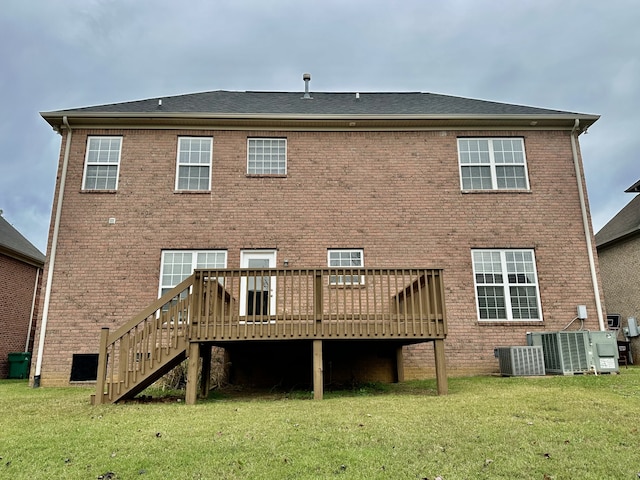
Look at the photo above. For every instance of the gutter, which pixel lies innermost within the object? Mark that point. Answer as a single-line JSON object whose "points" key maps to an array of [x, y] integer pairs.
{"points": [[55, 115], [52, 254], [91, 118], [586, 225]]}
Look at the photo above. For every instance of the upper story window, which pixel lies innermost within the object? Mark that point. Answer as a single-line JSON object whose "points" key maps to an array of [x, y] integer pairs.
{"points": [[267, 156], [193, 169], [506, 285], [177, 265], [492, 164], [344, 259], [102, 163]]}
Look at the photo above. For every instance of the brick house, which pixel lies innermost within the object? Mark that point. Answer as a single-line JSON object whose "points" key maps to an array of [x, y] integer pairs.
{"points": [[618, 244], [389, 205], [21, 266]]}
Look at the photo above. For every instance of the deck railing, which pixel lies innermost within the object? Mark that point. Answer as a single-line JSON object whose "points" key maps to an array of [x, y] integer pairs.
{"points": [[244, 304]]}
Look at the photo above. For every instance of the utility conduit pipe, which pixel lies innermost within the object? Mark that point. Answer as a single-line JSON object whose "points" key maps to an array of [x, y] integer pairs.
{"points": [[52, 253], [585, 224]]}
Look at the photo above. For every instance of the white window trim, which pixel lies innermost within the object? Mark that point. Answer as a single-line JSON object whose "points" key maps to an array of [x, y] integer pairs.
{"points": [[492, 166], [286, 157], [194, 262], [86, 163], [178, 164], [342, 250], [505, 284]]}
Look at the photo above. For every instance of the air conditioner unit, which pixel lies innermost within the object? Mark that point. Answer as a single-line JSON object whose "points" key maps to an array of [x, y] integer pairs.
{"points": [[575, 352], [565, 353], [604, 348], [520, 361]]}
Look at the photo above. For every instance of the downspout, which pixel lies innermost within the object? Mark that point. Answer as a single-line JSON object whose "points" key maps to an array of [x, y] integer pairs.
{"points": [[586, 225], [33, 307], [52, 254]]}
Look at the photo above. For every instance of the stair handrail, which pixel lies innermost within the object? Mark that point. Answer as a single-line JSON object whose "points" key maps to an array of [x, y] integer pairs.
{"points": [[151, 308], [108, 340]]}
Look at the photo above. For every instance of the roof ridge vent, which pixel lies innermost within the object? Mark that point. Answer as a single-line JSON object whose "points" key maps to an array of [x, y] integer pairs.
{"points": [[307, 78]]}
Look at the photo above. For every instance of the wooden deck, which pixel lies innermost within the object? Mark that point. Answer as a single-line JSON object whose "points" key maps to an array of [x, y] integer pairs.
{"points": [[232, 305]]}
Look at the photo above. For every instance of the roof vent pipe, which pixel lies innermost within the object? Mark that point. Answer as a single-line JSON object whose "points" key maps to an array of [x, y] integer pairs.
{"points": [[307, 78]]}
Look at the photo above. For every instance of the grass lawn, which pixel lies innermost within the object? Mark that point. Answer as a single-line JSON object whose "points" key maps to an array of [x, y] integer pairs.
{"points": [[581, 427]]}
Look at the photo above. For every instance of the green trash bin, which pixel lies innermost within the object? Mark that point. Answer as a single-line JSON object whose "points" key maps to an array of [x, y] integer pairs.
{"points": [[19, 364]]}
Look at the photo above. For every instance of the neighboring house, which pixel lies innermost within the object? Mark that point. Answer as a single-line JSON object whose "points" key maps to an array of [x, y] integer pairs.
{"points": [[20, 274], [372, 211], [618, 244]]}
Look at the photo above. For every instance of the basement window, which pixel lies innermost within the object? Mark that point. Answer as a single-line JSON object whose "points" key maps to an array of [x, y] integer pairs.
{"points": [[506, 285], [267, 156], [492, 164], [84, 367]]}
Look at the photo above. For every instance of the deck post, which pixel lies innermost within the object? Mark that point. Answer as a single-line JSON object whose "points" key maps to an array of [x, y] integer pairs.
{"points": [[192, 373], [317, 370], [205, 381], [400, 364], [441, 367], [102, 366]]}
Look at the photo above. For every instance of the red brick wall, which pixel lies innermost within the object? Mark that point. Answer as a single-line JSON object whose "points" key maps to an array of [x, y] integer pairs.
{"points": [[395, 194], [17, 282]]}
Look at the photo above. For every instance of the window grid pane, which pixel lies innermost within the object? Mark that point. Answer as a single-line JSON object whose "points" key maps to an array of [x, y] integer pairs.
{"points": [[512, 177], [476, 178], [193, 178], [267, 156], [491, 304]]}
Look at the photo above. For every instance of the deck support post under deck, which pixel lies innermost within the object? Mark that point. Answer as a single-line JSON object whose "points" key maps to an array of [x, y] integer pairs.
{"points": [[317, 370], [400, 364], [192, 373], [205, 381], [441, 367]]}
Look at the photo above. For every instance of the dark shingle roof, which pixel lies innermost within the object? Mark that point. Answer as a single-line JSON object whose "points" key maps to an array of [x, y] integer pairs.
{"points": [[14, 244], [293, 103], [635, 188], [623, 225]]}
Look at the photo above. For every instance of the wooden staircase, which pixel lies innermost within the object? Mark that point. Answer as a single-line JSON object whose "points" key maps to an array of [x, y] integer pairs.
{"points": [[145, 348]]}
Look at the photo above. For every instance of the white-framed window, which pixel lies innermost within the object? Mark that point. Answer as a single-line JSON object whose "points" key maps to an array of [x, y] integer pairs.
{"points": [[492, 164], [102, 163], [506, 285], [266, 156], [345, 258], [193, 167], [176, 265]]}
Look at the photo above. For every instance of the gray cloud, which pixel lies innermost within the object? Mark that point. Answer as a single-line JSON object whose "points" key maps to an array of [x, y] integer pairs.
{"points": [[570, 55]]}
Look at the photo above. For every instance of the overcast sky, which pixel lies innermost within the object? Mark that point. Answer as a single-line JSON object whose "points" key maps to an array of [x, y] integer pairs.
{"points": [[580, 56]]}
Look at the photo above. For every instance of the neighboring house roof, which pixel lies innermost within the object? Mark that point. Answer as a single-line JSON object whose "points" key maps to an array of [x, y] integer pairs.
{"points": [[635, 188], [222, 104], [13, 244], [625, 224]]}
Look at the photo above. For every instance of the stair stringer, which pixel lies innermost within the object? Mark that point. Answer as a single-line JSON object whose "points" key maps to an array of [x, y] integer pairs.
{"points": [[170, 360]]}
